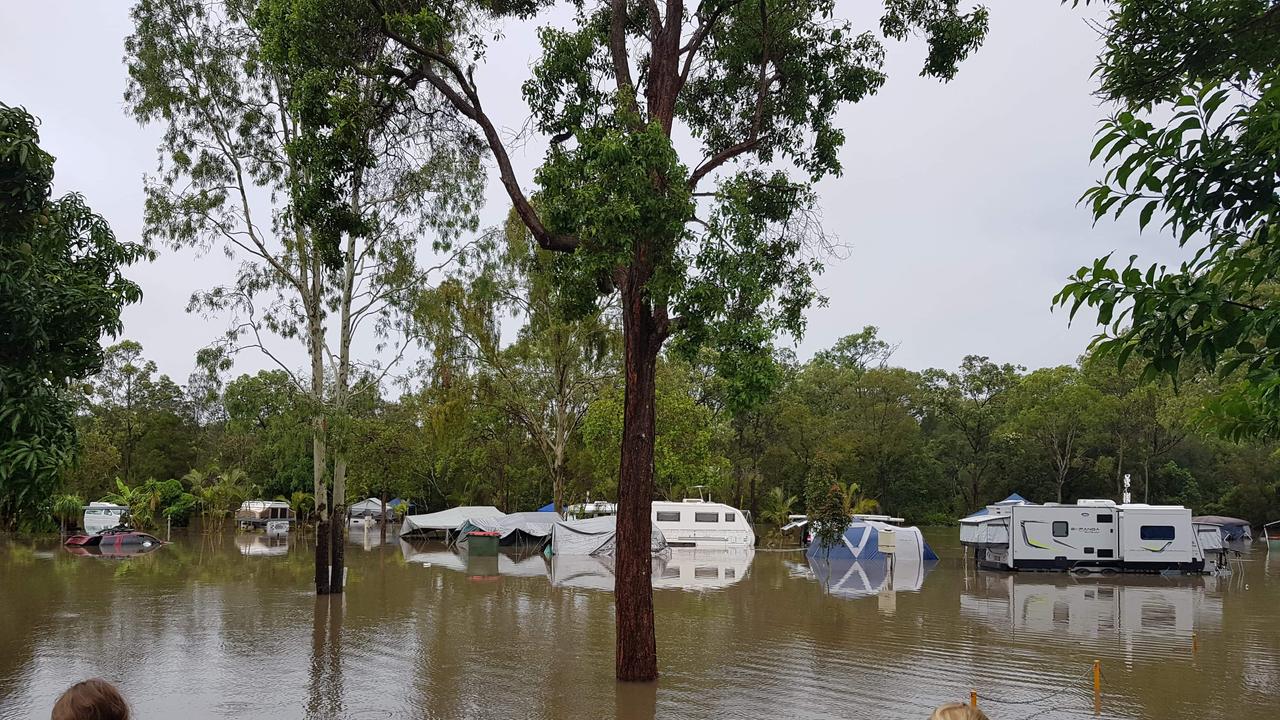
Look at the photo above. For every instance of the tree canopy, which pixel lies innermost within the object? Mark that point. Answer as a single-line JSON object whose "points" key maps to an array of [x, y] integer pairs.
{"points": [[61, 290], [1194, 149]]}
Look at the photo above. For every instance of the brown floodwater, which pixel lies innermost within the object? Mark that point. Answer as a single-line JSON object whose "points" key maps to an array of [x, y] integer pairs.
{"points": [[226, 626]]}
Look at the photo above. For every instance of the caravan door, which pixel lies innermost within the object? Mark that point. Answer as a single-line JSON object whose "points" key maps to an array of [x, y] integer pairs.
{"points": [[1106, 540]]}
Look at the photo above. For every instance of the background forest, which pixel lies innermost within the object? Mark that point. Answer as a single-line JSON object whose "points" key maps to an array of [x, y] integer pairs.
{"points": [[928, 446]]}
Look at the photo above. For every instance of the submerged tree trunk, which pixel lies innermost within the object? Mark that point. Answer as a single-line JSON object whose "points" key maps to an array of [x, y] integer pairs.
{"points": [[637, 656], [322, 505], [339, 524]]}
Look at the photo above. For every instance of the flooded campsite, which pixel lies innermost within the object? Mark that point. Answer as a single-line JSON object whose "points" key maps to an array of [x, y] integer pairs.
{"points": [[221, 625]]}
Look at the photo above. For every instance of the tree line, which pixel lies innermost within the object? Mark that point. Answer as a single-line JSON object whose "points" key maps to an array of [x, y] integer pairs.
{"points": [[929, 446]]}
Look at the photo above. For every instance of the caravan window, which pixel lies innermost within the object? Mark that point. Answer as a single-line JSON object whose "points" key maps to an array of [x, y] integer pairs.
{"points": [[706, 517], [1061, 529], [730, 517], [1157, 532], [1104, 518], [668, 516]]}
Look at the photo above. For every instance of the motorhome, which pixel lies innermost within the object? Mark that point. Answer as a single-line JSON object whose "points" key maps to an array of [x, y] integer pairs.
{"points": [[701, 523], [99, 516], [258, 513], [1091, 535]]}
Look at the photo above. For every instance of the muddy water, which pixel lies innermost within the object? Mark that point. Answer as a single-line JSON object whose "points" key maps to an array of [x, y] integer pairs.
{"points": [[222, 626]]}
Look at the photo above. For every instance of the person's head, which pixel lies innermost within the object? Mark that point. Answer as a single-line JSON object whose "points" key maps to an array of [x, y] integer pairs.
{"points": [[91, 700], [957, 711]]}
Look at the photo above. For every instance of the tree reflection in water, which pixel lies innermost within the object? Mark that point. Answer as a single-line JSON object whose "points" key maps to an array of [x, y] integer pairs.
{"points": [[324, 680]]}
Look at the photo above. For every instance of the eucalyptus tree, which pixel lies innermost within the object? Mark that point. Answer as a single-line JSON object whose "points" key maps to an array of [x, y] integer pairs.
{"points": [[122, 388], [705, 242], [61, 291], [234, 161], [1061, 416], [559, 360], [973, 403], [1193, 147]]}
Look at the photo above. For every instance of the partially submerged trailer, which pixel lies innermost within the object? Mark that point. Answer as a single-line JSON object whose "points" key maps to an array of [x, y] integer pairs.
{"points": [[1092, 535]]}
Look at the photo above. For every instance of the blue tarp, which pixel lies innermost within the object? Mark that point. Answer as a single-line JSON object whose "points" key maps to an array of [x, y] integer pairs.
{"points": [[1014, 499], [861, 542], [549, 507]]}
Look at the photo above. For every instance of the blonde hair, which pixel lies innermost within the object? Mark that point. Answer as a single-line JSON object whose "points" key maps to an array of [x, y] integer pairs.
{"points": [[91, 700], [957, 711]]}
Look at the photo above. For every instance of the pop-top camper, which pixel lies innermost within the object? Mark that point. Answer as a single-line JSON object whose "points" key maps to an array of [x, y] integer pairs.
{"points": [[1090, 535]]}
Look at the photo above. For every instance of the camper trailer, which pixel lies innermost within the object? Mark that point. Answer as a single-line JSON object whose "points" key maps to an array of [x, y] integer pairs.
{"points": [[99, 516], [1091, 535], [701, 523], [259, 513]]}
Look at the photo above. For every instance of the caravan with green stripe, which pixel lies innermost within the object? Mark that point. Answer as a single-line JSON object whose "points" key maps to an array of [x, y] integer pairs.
{"points": [[1091, 535]]}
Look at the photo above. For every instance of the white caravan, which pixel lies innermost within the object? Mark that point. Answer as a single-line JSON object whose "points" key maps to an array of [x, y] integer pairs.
{"points": [[99, 516], [699, 523], [1090, 535]]}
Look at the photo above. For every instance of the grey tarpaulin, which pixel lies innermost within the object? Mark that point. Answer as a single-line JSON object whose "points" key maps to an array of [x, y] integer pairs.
{"points": [[447, 520], [522, 528], [595, 536], [1232, 528]]}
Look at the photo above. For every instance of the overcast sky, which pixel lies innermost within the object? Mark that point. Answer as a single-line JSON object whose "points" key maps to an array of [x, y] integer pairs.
{"points": [[957, 202]]}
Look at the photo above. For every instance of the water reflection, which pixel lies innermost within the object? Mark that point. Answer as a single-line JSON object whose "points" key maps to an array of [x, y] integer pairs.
{"points": [[682, 568], [863, 578], [200, 631], [370, 536], [263, 545], [325, 696], [702, 569], [437, 554], [1094, 606], [112, 551]]}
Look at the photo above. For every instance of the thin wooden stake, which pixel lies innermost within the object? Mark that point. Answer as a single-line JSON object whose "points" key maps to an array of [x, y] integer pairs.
{"points": [[1097, 687]]}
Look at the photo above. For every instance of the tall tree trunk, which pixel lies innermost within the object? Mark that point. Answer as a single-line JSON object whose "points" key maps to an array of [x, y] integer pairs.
{"points": [[739, 469], [637, 656], [557, 479], [1146, 480], [338, 527], [321, 491], [1120, 471], [319, 435], [382, 538]]}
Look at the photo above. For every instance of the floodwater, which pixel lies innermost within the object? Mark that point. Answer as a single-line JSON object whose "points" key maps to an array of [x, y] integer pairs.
{"points": [[223, 626]]}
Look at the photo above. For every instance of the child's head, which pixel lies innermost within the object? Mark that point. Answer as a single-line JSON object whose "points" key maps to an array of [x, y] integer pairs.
{"points": [[91, 700], [957, 711]]}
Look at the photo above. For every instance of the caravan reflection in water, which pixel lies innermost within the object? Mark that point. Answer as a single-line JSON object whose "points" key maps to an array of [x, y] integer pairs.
{"points": [[1151, 607], [676, 568], [253, 544]]}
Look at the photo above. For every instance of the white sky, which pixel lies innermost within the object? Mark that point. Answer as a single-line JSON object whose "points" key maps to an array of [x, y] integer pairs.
{"points": [[957, 202]]}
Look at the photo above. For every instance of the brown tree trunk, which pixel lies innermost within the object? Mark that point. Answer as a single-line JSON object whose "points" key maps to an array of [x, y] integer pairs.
{"points": [[338, 526], [383, 537], [322, 557], [557, 482], [1146, 480], [637, 656], [322, 506]]}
